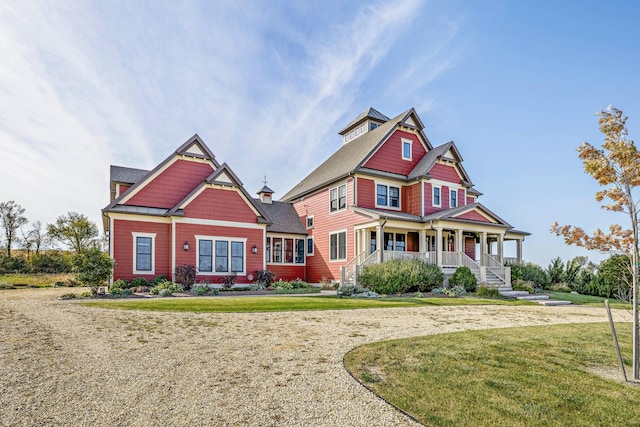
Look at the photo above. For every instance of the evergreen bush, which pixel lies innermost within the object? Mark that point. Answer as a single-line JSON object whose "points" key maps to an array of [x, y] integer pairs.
{"points": [[465, 278], [401, 276]]}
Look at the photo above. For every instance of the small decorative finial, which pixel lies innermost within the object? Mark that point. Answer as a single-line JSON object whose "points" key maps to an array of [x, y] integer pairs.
{"points": [[265, 179]]}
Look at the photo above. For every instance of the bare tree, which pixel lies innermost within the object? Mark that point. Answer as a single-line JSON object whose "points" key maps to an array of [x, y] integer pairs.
{"points": [[11, 219]]}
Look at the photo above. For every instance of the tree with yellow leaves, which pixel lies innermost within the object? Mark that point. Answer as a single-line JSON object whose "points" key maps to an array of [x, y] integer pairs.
{"points": [[616, 167]]}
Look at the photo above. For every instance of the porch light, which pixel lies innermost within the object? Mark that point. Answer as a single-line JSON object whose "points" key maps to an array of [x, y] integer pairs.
{"points": [[186, 246], [254, 249]]}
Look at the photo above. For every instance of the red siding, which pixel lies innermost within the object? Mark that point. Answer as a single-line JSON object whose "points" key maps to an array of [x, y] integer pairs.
{"points": [[470, 200], [444, 197], [411, 199], [172, 185], [461, 200], [473, 216], [470, 247], [288, 272], [428, 199], [187, 233], [318, 265], [445, 173], [225, 205], [123, 248], [388, 158], [366, 193], [123, 188]]}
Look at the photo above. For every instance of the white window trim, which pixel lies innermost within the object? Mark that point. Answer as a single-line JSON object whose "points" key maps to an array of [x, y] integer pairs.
{"points": [[135, 252], [346, 198], [312, 218], [346, 245], [213, 256], [313, 243], [433, 196], [288, 236], [388, 184], [410, 142]]}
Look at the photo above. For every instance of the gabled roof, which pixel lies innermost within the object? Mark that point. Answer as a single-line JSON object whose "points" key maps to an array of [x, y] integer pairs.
{"points": [[369, 113], [125, 175], [453, 213], [193, 147], [221, 176], [445, 214], [351, 156], [283, 217], [429, 160], [265, 189]]}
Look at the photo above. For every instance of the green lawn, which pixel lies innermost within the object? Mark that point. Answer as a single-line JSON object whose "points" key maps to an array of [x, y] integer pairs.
{"points": [[587, 300], [269, 303], [504, 377]]}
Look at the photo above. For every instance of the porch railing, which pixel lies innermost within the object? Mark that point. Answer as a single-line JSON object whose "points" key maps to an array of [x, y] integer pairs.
{"points": [[428, 257], [471, 264], [449, 259], [374, 258], [494, 266], [510, 261], [348, 271]]}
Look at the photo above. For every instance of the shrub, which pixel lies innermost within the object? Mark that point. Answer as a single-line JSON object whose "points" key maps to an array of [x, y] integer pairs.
{"points": [[140, 281], [159, 279], [201, 290], [72, 283], [228, 280], [561, 287], [349, 290], [165, 289], [93, 268], [465, 278], [366, 294], [265, 277], [51, 262], [185, 276], [521, 285], [418, 295], [327, 284], [118, 286], [486, 292], [400, 276], [456, 291], [14, 264], [292, 284], [530, 273], [120, 292]]}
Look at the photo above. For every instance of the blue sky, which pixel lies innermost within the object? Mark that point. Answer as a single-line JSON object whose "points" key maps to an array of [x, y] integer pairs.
{"points": [[268, 85]]}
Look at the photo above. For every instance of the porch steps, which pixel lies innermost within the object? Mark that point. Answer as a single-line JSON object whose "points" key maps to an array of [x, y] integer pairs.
{"points": [[535, 297], [539, 298], [514, 294], [553, 302]]}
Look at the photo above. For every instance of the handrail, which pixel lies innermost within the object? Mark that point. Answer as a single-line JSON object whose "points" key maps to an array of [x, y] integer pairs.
{"points": [[470, 264], [348, 271], [494, 266], [371, 259], [422, 256]]}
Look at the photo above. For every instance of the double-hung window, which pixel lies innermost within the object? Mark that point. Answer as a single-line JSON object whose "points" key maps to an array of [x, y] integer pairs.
{"points": [[309, 245], [387, 195], [338, 198], [436, 196], [454, 198], [338, 246], [285, 250], [143, 248]]}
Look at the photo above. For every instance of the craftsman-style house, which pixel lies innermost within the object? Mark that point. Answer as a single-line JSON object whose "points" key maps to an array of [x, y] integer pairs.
{"points": [[386, 193]]}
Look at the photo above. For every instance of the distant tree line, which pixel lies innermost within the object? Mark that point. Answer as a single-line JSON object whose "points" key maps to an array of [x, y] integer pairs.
{"points": [[612, 278], [35, 243]]}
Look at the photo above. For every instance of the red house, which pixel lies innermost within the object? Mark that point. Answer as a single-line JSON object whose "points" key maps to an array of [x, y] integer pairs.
{"points": [[191, 210], [386, 193]]}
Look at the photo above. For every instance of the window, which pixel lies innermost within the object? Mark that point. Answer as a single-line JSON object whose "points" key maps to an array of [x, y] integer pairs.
{"points": [[388, 241], [143, 250], [338, 198], [400, 242], [373, 242], [338, 246], [220, 255], [299, 251], [406, 149], [288, 250], [454, 198], [309, 246], [205, 253], [372, 126], [277, 249], [387, 196], [395, 242], [436, 196], [309, 221]]}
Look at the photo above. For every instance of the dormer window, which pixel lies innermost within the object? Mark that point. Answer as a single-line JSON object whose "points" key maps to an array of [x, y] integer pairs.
{"points": [[372, 126], [407, 145]]}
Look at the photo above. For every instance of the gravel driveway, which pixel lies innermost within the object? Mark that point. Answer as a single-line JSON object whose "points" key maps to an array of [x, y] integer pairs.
{"points": [[65, 364]]}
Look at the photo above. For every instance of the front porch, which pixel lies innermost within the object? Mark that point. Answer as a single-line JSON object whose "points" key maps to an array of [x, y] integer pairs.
{"points": [[480, 247]]}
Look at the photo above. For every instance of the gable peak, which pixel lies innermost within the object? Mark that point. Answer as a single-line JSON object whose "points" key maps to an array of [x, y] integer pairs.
{"points": [[195, 147]]}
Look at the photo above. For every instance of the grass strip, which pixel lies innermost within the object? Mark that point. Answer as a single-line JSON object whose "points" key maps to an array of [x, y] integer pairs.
{"points": [[504, 377], [271, 303]]}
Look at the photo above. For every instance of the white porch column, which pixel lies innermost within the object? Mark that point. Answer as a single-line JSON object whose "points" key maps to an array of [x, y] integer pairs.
{"points": [[439, 245], [500, 248], [483, 247], [422, 241], [519, 251], [459, 245], [379, 243]]}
